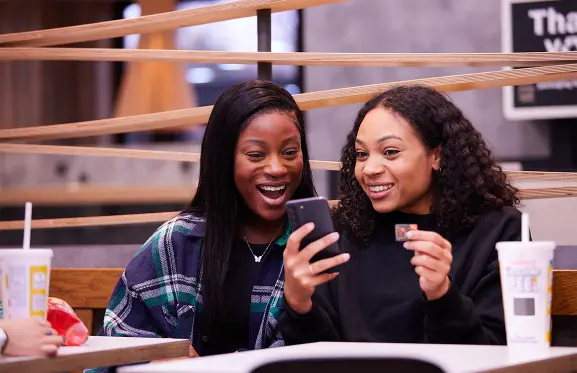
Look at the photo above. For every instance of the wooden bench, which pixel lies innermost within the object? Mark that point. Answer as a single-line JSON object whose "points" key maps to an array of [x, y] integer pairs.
{"points": [[564, 302], [87, 290]]}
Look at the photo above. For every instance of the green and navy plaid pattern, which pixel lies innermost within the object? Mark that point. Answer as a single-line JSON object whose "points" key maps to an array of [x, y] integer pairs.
{"points": [[160, 291]]}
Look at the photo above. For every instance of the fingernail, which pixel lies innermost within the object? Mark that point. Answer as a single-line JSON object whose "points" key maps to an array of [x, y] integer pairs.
{"points": [[310, 226], [346, 257], [406, 245], [410, 234], [334, 236]]}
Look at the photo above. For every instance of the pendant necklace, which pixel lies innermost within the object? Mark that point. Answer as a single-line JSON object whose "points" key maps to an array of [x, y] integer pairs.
{"points": [[257, 259]]}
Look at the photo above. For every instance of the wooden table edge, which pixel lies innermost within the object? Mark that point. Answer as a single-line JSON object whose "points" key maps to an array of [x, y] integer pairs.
{"points": [[95, 359], [558, 364]]}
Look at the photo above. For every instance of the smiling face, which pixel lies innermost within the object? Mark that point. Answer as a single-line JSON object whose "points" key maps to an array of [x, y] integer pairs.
{"points": [[393, 166], [268, 164]]}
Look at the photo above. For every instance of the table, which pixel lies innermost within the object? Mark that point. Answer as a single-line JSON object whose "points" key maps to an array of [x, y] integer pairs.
{"points": [[98, 352], [451, 358]]}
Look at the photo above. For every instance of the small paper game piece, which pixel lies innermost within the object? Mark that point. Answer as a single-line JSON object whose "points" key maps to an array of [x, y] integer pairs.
{"points": [[402, 229]]}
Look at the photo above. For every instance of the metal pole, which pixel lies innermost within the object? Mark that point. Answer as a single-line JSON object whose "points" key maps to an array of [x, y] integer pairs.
{"points": [[263, 19]]}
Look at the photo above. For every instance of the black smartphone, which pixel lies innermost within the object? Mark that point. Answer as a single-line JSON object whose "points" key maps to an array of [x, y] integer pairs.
{"points": [[314, 210]]}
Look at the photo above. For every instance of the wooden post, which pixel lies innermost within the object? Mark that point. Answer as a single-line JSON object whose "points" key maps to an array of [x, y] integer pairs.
{"points": [[264, 37]]}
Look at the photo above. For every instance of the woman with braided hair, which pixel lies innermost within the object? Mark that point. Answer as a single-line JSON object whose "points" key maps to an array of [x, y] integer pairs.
{"points": [[413, 160]]}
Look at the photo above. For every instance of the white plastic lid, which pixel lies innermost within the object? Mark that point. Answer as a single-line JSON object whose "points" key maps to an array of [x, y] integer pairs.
{"points": [[26, 253], [520, 245]]}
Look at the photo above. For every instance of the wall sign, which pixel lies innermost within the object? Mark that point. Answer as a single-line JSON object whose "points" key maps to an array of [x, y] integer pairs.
{"points": [[540, 26]]}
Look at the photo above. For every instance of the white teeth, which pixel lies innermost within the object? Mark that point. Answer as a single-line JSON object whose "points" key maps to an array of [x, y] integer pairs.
{"points": [[273, 188], [380, 188]]}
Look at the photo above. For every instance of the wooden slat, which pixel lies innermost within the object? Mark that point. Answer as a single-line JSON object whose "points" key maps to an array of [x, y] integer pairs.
{"points": [[541, 176], [127, 153], [195, 157], [13, 199], [97, 194], [154, 23], [84, 287], [91, 288], [98, 221], [165, 194], [564, 300], [530, 59], [307, 101], [91, 221], [548, 192], [142, 194], [87, 317]]}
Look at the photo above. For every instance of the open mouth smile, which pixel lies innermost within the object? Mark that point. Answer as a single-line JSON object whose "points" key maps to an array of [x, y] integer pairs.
{"points": [[379, 191], [273, 193]]}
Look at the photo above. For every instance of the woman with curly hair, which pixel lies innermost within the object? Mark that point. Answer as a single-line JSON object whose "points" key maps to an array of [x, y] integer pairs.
{"points": [[411, 158]]}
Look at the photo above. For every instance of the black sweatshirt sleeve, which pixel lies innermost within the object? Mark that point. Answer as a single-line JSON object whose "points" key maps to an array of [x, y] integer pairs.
{"points": [[458, 319], [477, 318], [319, 324]]}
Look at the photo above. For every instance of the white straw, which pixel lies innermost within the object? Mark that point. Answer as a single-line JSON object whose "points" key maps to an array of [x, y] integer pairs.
{"points": [[27, 225], [524, 227]]}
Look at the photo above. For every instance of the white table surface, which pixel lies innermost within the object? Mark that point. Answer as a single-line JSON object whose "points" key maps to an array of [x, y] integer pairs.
{"points": [[99, 350], [451, 358]]}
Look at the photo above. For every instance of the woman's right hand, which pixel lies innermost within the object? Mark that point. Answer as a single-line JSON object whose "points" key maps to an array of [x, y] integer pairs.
{"points": [[30, 337], [301, 276]]}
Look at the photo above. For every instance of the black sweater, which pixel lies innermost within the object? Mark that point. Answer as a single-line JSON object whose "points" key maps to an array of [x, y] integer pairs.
{"points": [[377, 298]]}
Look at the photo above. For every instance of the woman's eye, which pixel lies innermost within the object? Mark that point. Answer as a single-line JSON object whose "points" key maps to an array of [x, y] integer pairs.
{"points": [[255, 155], [390, 152], [361, 154]]}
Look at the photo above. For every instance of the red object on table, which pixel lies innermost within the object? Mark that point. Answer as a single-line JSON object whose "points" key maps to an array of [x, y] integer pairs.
{"points": [[64, 320]]}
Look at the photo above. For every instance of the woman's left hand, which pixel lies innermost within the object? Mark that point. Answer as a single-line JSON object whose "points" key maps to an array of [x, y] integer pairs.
{"points": [[432, 261]]}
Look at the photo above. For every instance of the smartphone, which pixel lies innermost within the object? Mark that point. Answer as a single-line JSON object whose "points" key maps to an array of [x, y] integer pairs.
{"points": [[315, 210]]}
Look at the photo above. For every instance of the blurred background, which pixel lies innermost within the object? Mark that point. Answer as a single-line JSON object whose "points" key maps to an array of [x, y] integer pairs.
{"points": [[36, 93]]}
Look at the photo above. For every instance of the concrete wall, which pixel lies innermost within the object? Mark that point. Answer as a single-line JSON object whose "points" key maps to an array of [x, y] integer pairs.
{"points": [[412, 26]]}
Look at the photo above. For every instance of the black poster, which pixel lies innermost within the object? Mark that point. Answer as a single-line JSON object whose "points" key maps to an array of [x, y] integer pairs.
{"points": [[540, 26]]}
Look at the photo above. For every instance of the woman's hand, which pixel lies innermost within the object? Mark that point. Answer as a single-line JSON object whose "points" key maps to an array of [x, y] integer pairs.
{"points": [[301, 276], [30, 337], [432, 261]]}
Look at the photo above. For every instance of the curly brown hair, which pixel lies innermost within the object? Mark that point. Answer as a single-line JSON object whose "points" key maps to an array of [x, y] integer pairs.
{"points": [[468, 184]]}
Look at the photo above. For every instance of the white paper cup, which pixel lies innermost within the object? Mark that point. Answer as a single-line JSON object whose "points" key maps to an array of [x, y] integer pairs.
{"points": [[24, 282], [526, 279]]}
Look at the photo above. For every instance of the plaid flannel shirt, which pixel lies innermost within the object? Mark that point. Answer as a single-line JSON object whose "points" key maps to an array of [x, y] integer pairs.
{"points": [[160, 291]]}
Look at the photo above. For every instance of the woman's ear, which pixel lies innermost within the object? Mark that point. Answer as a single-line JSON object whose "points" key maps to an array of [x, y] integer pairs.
{"points": [[437, 158]]}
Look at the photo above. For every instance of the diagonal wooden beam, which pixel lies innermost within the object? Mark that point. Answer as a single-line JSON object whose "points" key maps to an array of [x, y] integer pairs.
{"points": [[127, 153], [153, 23], [530, 59], [162, 155], [164, 194], [307, 101], [128, 195]]}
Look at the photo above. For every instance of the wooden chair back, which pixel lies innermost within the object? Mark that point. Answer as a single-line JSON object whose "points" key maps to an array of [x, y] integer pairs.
{"points": [[87, 290], [564, 300]]}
